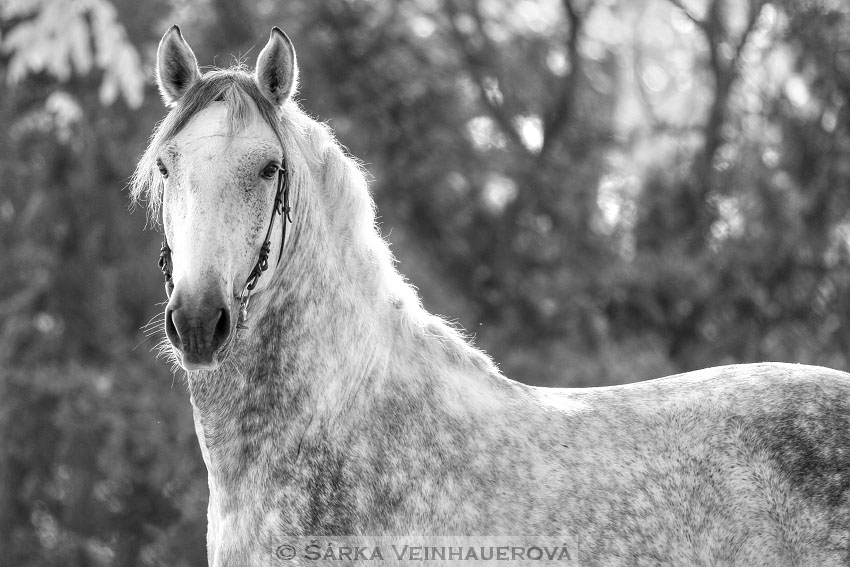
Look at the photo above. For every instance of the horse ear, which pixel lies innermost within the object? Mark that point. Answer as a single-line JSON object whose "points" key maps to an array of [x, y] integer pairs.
{"points": [[277, 68], [176, 66]]}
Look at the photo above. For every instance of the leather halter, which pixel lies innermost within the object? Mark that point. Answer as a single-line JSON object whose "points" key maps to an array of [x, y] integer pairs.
{"points": [[282, 208]]}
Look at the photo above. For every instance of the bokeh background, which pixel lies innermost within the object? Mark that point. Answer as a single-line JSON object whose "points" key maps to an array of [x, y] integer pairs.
{"points": [[601, 191]]}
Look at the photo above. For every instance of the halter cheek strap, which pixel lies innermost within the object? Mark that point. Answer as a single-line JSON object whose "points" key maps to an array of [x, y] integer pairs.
{"points": [[282, 208]]}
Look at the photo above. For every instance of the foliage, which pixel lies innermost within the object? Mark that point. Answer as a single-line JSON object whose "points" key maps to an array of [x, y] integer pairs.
{"points": [[109, 472], [602, 191], [55, 36]]}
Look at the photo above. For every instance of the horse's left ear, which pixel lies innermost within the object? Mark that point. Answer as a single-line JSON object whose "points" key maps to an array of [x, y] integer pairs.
{"points": [[277, 68]]}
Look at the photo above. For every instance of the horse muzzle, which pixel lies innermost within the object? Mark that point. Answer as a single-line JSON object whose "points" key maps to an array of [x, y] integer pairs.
{"points": [[199, 330]]}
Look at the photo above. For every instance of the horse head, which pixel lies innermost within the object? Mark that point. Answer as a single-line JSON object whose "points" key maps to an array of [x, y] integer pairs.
{"points": [[220, 156]]}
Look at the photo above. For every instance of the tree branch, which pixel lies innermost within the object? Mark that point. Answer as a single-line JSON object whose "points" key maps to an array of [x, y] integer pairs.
{"points": [[479, 68], [725, 71], [701, 24], [561, 113], [752, 19]]}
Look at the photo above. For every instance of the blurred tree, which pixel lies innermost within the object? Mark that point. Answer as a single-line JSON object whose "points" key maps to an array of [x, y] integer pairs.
{"points": [[725, 46], [760, 285], [99, 464], [109, 473], [57, 37]]}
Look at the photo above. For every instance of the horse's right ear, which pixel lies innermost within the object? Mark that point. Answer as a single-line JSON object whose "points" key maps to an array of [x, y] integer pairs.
{"points": [[176, 66]]}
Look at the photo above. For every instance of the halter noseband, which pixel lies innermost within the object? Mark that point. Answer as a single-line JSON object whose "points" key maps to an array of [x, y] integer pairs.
{"points": [[282, 208]]}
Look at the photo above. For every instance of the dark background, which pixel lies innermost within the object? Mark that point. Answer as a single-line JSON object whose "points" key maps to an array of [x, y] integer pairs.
{"points": [[601, 192]]}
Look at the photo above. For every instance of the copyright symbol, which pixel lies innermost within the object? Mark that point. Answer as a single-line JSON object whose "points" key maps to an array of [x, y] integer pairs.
{"points": [[285, 551]]}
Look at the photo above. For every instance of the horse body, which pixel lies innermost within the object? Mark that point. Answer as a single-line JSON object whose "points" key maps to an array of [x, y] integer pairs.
{"points": [[740, 465], [340, 407]]}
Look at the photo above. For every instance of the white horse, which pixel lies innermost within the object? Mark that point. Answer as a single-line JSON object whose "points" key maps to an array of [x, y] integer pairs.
{"points": [[333, 404]]}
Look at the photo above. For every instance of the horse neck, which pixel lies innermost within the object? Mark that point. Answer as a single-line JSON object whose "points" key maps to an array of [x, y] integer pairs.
{"points": [[329, 346]]}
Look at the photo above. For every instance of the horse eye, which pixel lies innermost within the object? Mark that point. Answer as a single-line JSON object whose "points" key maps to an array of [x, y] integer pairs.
{"points": [[270, 171], [162, 169]]}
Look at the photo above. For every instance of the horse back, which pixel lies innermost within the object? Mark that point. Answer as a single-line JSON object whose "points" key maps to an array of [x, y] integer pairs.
{"points": [[744, 464]]}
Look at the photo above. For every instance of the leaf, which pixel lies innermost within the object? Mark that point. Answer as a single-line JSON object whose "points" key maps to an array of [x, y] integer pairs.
{"points": [[60, 38]]}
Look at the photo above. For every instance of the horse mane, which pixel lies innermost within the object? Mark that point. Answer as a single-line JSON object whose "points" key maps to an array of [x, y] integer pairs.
{"points": [[344, 185], [353, 213]]}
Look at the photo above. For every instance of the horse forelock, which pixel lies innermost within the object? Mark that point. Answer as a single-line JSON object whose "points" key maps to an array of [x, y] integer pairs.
{"points": [[245, 103]]}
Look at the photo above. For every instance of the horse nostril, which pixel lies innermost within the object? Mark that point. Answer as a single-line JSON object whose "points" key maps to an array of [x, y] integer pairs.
{"points": [[171, 329], [222, 328]]}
